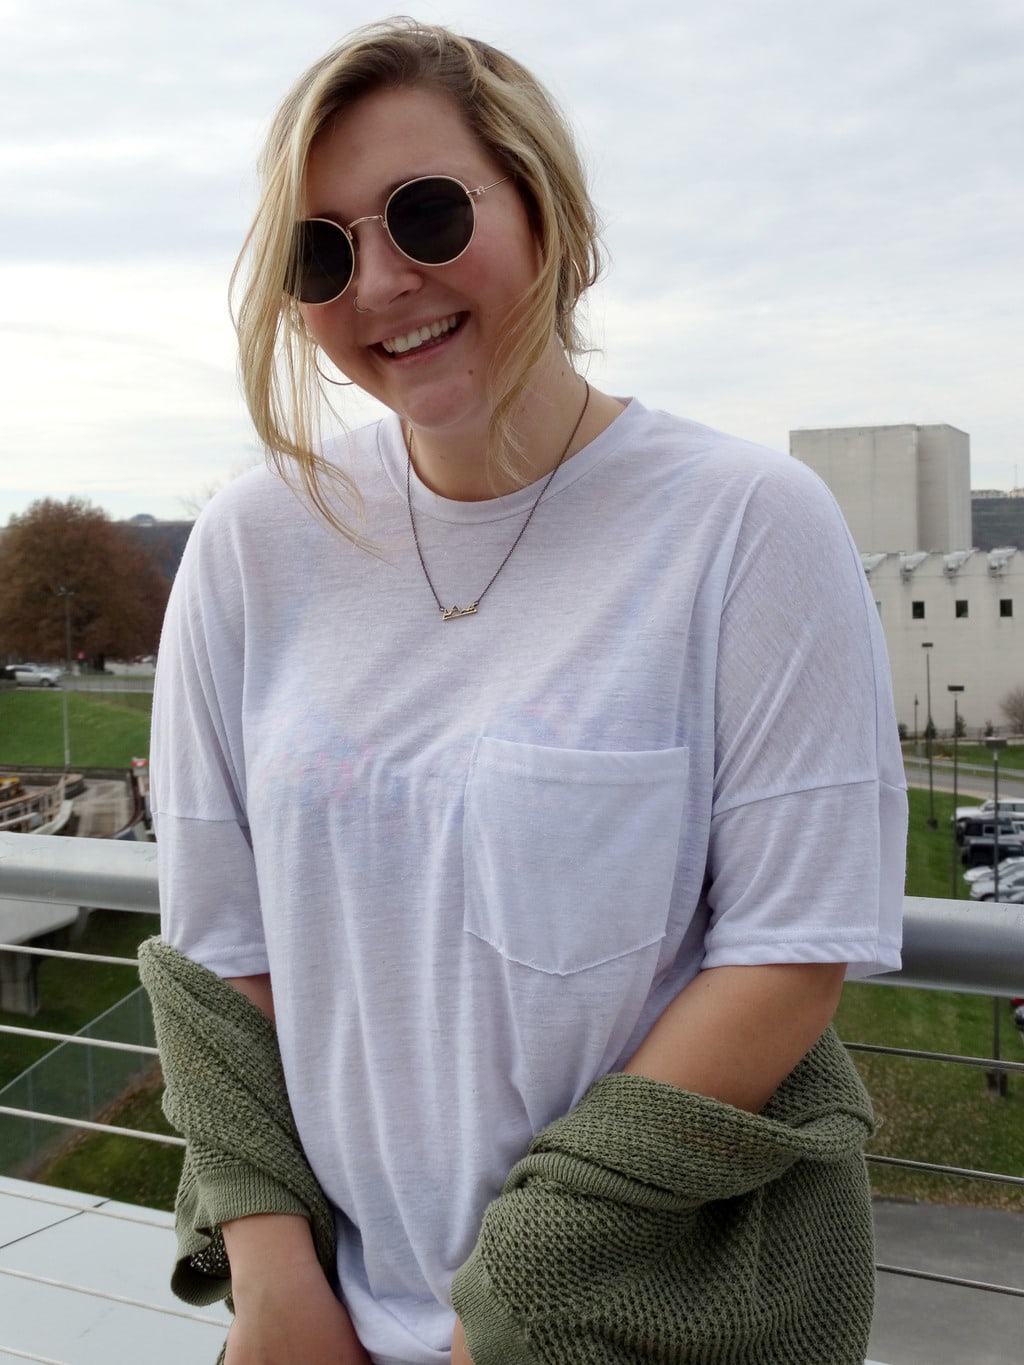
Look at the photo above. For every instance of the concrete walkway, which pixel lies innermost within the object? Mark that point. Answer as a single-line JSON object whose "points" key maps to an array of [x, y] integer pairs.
{"points": [[919, 1322], [103, 808], [80, 1288], [85, 1281]]}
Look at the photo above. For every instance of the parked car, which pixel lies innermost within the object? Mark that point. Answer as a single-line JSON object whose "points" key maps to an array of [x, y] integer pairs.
{"points": [[1005, 865], [1009, 807], [37, 675], [979, 842], [1010, 826], [984, 888]]}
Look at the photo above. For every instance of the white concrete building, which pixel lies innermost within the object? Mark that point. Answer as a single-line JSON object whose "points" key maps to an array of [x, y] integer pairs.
{"points": [[900, 488], [905, 492], [969, 606]]}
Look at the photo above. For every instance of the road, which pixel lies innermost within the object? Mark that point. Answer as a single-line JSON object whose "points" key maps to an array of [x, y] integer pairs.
{"points": [[972, 782]]}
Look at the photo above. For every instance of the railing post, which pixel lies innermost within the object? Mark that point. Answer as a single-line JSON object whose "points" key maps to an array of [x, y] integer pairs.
{"points": [[89, 1083], [31, 1122], [997, 1081]]}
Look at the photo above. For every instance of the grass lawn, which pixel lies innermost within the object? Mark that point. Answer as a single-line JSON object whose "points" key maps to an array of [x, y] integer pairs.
{"points": [[120, 1167], [107, 730], [73, 993], [1011, 759], [933, 860], [935, 1111]]}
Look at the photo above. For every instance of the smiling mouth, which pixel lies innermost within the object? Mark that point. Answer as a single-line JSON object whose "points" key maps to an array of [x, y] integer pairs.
{"points": [[420, 337]]}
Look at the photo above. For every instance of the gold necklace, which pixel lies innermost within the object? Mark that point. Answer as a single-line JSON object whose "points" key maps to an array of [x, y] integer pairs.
{"points": [[454, 612]]}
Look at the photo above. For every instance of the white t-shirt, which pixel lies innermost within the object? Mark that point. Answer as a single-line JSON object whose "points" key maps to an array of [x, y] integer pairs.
{"points": [[479, 857]]}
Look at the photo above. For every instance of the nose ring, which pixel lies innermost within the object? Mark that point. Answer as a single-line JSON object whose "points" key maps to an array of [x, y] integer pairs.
{"points": [[355, 305]]}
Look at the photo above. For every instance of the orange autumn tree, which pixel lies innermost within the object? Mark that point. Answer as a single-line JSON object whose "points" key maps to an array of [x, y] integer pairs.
{"points": [[67, 562]]}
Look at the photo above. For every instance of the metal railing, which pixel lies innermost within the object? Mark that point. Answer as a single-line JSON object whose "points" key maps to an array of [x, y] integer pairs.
{"points": [[27, 809], [944, 949]]}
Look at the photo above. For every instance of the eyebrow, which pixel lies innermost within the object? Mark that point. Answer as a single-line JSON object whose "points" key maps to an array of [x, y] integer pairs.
{"points": [[389, 191]]}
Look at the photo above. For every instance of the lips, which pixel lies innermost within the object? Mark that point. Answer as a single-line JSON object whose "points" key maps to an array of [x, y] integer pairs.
{"points": [[420, 336]]}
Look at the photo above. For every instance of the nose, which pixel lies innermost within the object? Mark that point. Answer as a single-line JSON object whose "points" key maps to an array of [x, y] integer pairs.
{"points": [[382, 273]]}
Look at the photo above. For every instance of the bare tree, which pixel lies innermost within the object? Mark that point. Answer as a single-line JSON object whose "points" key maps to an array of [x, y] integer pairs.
{"points": [[1012, 706]]}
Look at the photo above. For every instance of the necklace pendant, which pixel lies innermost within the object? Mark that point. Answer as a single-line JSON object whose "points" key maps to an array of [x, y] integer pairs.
{"points": [[453, 613]]}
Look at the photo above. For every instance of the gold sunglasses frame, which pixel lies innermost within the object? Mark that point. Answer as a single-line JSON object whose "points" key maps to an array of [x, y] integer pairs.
{"points": [[382, 218]]}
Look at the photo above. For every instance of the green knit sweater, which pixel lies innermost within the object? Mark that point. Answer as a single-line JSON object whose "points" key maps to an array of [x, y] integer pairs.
{"points": [[225, 1093], [651, 1224]]}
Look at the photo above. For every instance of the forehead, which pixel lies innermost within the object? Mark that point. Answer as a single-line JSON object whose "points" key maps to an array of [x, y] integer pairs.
{"points": [[386, 138]]}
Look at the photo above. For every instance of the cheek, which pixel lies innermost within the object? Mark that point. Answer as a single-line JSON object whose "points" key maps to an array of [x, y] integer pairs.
{"points": [[501, 273], [325, 323]]}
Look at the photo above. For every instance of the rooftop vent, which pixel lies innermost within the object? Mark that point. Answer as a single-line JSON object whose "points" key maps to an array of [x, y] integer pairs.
{"points": [[910, 562], [999, 558], [954, 562]]}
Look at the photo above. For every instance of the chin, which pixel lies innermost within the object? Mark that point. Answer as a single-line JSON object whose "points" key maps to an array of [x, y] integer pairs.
{"points": [[459, 414]]}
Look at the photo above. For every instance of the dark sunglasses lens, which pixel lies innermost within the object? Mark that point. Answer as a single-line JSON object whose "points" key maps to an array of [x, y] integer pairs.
{"points": [[322, 262], [431, 220]]}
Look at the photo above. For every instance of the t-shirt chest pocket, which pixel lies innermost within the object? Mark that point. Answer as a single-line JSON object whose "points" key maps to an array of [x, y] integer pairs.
{"points": [[570, 855]]}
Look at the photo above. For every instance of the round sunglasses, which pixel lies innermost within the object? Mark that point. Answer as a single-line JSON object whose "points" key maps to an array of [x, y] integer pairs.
{"points": [[430, 220]]}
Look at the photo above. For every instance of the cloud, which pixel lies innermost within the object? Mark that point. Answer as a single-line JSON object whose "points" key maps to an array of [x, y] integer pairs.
{"points": [[814, 213]]}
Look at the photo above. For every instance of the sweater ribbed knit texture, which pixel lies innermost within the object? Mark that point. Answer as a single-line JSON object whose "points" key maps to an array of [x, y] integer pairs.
{"points": [[652, 1224], [649, 1224], [225, 1093]]}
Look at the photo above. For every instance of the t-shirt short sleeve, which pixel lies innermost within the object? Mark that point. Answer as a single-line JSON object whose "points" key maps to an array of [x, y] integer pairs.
{"points": [[209, 894], [808, 826]]}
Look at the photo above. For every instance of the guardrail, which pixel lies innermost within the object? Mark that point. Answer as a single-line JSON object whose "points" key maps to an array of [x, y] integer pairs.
{"points": [[981, 953]]}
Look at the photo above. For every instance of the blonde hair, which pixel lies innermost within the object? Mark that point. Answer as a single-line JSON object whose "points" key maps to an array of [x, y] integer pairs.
{"points": [[518, 123]]}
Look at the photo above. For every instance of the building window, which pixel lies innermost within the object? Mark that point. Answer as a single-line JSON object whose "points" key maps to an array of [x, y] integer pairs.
{"points": [[917, 611], [961, 608], [1006, 606]]}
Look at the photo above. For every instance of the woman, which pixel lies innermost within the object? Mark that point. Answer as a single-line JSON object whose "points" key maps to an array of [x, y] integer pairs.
{"points": [[528, 757]]}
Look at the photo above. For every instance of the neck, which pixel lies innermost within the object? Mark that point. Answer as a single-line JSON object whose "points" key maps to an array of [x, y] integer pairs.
{"points": [[456, 463]]}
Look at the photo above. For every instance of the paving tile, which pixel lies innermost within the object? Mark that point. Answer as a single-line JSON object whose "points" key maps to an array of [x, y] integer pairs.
{"points": [[83, 1250]]}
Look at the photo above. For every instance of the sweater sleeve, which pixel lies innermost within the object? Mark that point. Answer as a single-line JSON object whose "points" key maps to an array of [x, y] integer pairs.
{"points": [[225, 1092], [651, 1223]]}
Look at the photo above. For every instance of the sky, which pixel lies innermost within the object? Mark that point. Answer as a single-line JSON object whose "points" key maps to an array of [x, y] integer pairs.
{"points": [[813, 211]]}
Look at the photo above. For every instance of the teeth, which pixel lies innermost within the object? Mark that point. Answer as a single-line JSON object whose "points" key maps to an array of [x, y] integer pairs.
{"points": [[415, 338]]}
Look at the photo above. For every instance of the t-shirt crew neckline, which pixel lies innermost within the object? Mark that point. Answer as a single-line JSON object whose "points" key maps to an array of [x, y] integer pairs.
{"points": [[392, 452]]}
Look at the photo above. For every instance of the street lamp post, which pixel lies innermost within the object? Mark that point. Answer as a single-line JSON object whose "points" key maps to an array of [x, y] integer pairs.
{"points": [[917, 751], [994, 743], [997, 1080], [929, 730], [956, 689]]}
